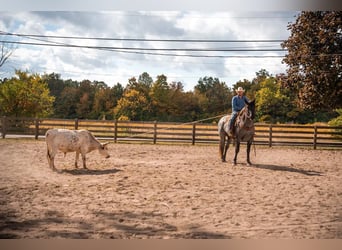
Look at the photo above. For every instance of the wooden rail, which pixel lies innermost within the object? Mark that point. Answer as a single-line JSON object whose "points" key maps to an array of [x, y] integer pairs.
{"points": [[266, 134]]}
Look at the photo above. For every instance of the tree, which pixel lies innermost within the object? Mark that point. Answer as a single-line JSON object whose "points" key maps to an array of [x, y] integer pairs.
{"points": [[214, 96], [145, 82], [25, 95], [274, 104], [314, 59], [132, 106], [143, 85], [56, 86], [68, 105], [251, 87], [6, 52], [159, 95], [184, 106], [86, 93], [180, 107], [338, 120], [105, 100]]}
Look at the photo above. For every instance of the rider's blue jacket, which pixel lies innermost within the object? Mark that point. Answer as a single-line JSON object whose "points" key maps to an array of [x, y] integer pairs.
{"points": [[238, 102]]}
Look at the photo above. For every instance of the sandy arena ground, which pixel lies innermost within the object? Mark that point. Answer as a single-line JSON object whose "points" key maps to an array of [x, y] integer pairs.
{"points": [[170, 191]]}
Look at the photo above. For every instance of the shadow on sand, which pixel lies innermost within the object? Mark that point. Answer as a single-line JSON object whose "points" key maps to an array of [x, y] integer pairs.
{"points": [[287, 169], [115, 225], [82, 171]]}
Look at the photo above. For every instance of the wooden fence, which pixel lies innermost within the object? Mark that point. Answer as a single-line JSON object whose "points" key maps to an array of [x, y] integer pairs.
{"points": [[194, 133]]}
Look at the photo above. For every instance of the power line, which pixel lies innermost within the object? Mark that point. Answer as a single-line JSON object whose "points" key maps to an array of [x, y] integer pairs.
{"points": [[137, 50], [145, 39], [143, 49], [152, 51]]}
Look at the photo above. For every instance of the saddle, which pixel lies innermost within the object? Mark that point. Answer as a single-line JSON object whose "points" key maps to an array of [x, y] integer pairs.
{"points": [[235, 124]]}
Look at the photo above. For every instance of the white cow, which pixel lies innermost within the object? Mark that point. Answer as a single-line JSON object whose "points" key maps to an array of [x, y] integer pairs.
{"points": [[81, 141]]}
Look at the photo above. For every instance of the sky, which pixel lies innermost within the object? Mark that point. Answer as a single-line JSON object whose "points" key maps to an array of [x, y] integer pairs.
{"points": [[183, 45]]}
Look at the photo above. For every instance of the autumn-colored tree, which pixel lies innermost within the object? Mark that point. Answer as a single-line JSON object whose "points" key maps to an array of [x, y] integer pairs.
{"points": [[105, 100], [314, 59], [338, 120], [251, 87], [143, 85], [182, 107], [132, 105], [273, 103], [25, 95]]}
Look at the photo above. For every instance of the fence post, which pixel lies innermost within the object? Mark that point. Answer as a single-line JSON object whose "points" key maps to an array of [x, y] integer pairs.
{"points": [[155, 132], [76, 123], [36, 134], [270, 138], [3, 126], [193, 133], [115, 130], [315, 137]]}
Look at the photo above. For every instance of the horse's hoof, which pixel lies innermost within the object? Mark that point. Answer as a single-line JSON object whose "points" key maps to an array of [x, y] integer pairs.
{"points": [[249, 164], [223, 160], [234, 163]]}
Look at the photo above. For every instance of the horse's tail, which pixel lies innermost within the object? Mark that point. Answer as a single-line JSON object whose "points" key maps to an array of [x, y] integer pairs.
{"points": [[221, 124], [221, 128]]}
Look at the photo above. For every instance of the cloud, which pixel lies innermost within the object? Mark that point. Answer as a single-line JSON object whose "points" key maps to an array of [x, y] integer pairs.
{"points": [[113, 67]]}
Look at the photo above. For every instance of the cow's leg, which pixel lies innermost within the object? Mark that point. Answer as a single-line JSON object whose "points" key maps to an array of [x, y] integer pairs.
{"points": [[76, 158], [51, 158], [249, 144], [84, 160], [48, 157], [237, 149]]}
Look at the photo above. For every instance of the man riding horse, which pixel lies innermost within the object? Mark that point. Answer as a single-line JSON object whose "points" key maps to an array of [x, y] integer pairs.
{"points": [[240, 124], [238, 103]]}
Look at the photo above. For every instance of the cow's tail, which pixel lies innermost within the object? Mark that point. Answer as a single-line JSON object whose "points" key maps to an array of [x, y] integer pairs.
{"points": [[48, 155]]}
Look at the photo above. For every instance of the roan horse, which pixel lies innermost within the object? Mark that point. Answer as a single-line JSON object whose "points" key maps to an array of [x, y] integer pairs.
{"points": [[243, 130]]}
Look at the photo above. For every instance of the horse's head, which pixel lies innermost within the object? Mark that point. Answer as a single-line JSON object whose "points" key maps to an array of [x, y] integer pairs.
{"points": [[251, 109]]}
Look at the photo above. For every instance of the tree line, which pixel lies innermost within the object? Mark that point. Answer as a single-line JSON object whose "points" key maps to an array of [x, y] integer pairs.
{"points": [[148, 99]]}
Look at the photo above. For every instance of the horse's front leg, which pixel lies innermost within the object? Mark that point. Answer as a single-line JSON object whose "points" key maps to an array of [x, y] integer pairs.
{"points": [[223, 149], [249, 144], [237, 149], [226, 147]]}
